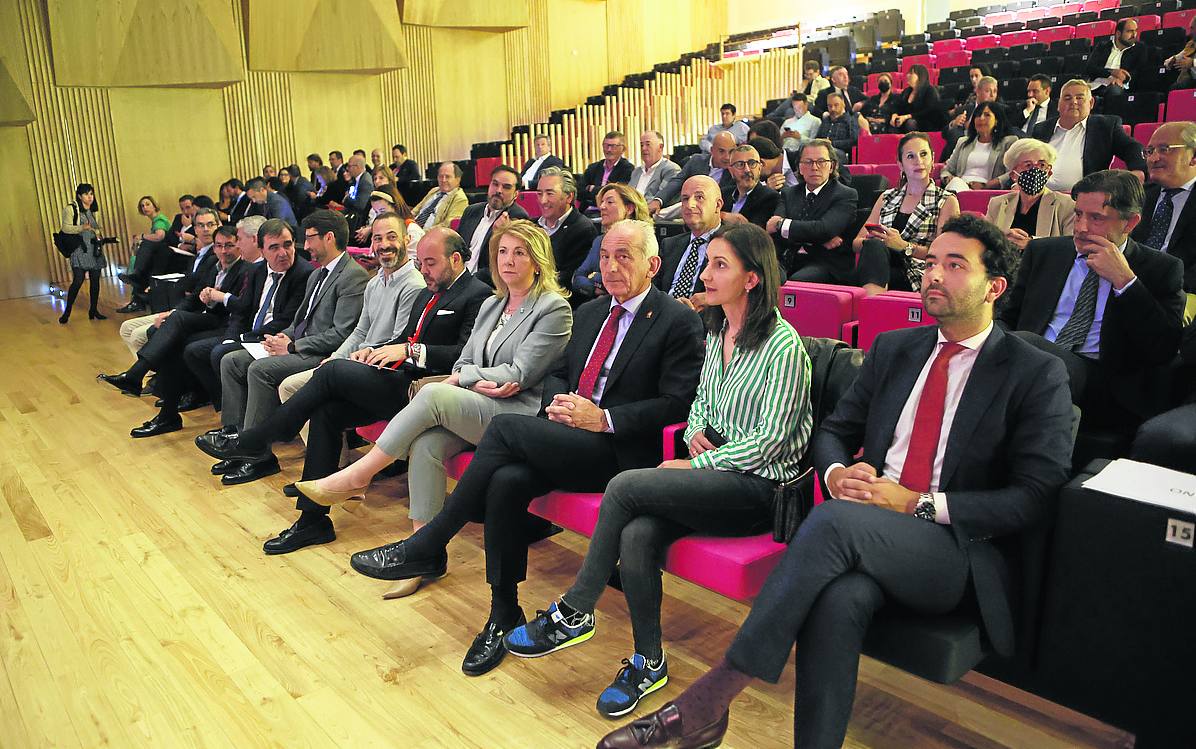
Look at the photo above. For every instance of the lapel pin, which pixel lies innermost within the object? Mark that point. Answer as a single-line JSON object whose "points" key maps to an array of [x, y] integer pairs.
{"points": [[649, 315]]}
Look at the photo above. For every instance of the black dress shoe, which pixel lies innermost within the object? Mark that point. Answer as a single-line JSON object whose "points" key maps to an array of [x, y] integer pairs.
{"points": [[390, 562], [224, 466], [122, 383], [95, 315], [192, 401], [488, 650], [158, 425], [243, 473], [540, 531], [131, 308], [289, 490], [296, 537], [226, 431], [126, 277], [159, 403], [216, 443]]}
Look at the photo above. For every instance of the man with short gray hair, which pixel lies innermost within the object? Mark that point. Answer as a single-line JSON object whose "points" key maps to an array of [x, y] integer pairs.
{"points": [[1086, 142], [570, 232], [656, 174], [1169, 213]]}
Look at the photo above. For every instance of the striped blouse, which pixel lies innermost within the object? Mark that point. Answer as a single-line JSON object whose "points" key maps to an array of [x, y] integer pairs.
{"points": [[760, 402]]}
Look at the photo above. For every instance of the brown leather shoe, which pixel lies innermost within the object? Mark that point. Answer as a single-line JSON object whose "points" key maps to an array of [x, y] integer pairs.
{"points": [[662, 730]]}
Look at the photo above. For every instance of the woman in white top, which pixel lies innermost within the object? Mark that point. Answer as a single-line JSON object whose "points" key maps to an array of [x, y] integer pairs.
{"points": [[978, 161]]}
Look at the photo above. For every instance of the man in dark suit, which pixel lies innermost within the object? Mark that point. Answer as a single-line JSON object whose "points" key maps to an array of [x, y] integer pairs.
{"points": [[269, 204], [265, 305], [630, 369], [1116, 62], [1170, 224], [357, 197], [239, 208], [571, 232], [405, 169], [1038, 107], [1086, 142], [612, 168], [810, 220], [750, 201], [478, 221], [529, 176], [716, 166], [1108, 307], [853, 98], [372, 384], [683, 257], [337, 187], [918, 520]]}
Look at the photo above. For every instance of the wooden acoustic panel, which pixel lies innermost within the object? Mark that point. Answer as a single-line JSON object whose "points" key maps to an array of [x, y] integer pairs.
{"points": [[23, 268], [467, 14], [14, 107], [144, 43], [336, 111], [325, 36]]}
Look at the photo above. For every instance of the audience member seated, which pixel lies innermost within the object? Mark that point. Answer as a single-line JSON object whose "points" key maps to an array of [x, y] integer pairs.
{"points": [[315, 162], [629, 370], [812, 217], [747, 431], [813, 82], [1115, 63], [1110, 308], [570, 233], [1169, 215], [357, 198], [1086, 142], [405, 169], [152, 255], [716, 166], [372, 383], [323, 179], [269, 204], [801, 126], [853, 98], [339, 184], [479, 220], [265, 305], [298, 190], [385, 197], [239, 201], [878, 109], [543, 159], [919, 520], [1039, 107], [180, 229], [683, 257], [978, 161], [918, 106], [839, 126], [960, 117], [331, 305], [616, 202], [518, 335], [1032, 211], [612, 168], [444, 202], [750, 201], [905, 220], [1182, 60], [727, 124], [656, 174], [782, 111], [193, 319]]}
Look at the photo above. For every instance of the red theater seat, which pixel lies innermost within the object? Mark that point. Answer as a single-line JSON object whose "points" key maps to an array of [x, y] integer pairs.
{"points": [[817, 309], [482, 169], [891, 310], [1095, 29], [1178, 19], [984, 41], [877, 149], [1056, 33], [977, 200]]}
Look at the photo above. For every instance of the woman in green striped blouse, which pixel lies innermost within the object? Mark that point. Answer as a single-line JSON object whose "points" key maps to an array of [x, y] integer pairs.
{"points": [[747, 430]]}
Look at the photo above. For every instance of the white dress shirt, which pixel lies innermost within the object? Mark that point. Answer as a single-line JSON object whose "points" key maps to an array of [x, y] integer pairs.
{"points": [[787, 222], [646, 177], [630, 308], [552, 229], [479, 235], [1069, 166], [532, 170]]}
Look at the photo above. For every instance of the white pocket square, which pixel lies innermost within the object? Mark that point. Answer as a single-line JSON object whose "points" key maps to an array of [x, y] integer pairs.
{"points": [[440, 312]]}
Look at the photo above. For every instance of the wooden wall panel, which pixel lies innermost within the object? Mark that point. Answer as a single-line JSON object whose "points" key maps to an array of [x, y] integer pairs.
{"points": [[257, 115], [409, 114], [23, 269], [301, 36], [336, 111], [466, 14], [471, 99], [183, 129], [577, 38]]}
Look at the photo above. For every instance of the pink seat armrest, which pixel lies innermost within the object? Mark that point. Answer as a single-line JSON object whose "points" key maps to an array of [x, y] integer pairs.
{"points": [[669, 452]]}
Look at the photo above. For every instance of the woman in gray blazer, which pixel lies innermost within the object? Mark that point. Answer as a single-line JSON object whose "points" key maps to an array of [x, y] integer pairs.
{"points": [[519, 334], [1030, 210], [977, 163]]}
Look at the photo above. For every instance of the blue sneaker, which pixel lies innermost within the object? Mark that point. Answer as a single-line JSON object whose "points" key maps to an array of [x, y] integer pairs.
{"points": [[549, 632], [634, 681]]}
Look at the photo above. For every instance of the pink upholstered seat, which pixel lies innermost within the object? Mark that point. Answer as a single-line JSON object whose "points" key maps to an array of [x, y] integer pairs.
{"points": [[977, 200], [372, 432], [891, 310], [482, 169], [1181, 105], [530, 202], [819, 310]]}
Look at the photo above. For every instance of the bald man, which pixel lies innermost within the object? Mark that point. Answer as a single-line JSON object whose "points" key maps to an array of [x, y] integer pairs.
{"points": [[1169, 212], [683, 257], [715, 165], [357, 197]]}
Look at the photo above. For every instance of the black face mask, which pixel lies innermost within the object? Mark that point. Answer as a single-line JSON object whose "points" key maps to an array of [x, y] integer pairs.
{"points": [[883, 86]]}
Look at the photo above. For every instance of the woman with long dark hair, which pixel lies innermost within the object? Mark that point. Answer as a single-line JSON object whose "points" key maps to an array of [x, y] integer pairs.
{"points": [[747, 430], [79, 218], [918, 107], [978, 161]]}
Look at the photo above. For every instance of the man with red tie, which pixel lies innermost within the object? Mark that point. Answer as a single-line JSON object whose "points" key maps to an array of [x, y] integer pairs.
{"points": [[630, 369], [966, 433]]}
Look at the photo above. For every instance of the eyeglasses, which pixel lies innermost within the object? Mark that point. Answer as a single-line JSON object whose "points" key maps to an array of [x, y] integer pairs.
{"points": [[819, 163], [749, 164], [1164, 149], [315, 235]]}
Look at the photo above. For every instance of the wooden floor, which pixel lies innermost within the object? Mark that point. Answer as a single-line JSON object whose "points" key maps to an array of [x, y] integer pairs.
{"points": [[137, 610]]}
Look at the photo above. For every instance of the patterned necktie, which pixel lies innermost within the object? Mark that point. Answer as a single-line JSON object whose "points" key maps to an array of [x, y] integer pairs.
{"points": [[301, 328], [928, 423], [1075, 330], [689, 270], [606, 342], [429, 209], [807, 211], [1160, 224], [267, 303]]}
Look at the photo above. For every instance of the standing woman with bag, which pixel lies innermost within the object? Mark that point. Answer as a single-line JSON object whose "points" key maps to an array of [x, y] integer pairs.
{"points": [[79, 219]]}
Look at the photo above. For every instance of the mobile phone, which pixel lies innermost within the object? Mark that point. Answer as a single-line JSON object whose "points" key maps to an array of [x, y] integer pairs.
{"points": [[874, 227]]}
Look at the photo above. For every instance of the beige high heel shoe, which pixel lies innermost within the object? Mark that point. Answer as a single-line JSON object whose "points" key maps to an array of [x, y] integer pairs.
{"points": [[327, 498]]}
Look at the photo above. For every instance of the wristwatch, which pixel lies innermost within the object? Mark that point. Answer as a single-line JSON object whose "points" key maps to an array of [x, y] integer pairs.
{"points": [[909, 250], [924, 509]]}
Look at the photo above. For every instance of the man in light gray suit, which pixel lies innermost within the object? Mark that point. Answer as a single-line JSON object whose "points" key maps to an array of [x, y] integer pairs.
{"points": [[716, 165], [328, 313], [656, 175]]}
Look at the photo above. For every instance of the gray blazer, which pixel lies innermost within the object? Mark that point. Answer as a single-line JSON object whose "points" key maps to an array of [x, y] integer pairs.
{"points": [[1056, 213], [661, 182], [958, 163], [525, 349], [336, 308]]}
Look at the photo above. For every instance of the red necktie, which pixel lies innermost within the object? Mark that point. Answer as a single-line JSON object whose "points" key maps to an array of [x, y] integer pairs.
{"points": [[419, 327], [606, 341], [928, 423]]}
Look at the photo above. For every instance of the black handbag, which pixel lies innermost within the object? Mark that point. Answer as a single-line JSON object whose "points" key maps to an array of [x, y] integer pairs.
{"points": [[792, 501], [66, 244]]}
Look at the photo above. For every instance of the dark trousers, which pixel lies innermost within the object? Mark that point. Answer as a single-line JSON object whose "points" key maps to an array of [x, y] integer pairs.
{"points": [[1169, 440], [804, 267], [1092, 388], [202, 358], [845, 561], [72, 293], [520, 458], [170, 339], [153, 259], [646, 510], [881, 266]]}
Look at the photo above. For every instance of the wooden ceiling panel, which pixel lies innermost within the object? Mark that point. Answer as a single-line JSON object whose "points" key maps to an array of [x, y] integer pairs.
{"points": [[325, 36]]}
